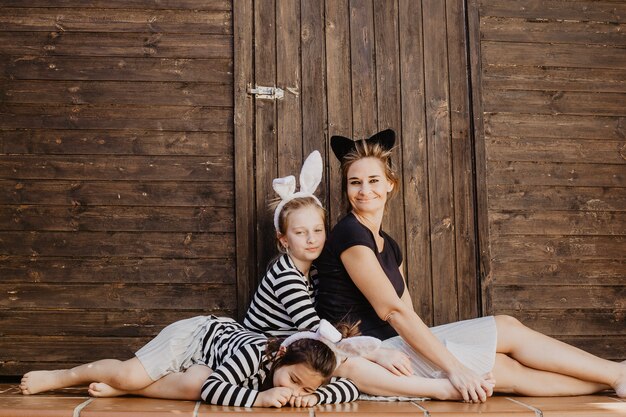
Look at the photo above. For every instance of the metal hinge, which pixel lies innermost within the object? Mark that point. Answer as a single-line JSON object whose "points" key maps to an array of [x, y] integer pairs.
{"points": [[268, 93]]}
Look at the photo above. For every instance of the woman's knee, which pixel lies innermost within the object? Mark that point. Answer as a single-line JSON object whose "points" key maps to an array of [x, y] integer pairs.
{"points": [[506, 321]]}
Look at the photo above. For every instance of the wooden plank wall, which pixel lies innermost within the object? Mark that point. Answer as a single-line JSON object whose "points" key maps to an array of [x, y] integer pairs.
{"points": [[353, 67], [551, 89], [116, 174]]}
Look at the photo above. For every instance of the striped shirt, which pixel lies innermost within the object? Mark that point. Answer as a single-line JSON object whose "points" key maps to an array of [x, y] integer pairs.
{"points": [[283, 303], [240, 370]]}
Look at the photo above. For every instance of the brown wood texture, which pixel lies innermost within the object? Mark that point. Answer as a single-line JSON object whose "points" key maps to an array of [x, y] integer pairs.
{"points": [[352, 68], [117, 175], [550, 105]]}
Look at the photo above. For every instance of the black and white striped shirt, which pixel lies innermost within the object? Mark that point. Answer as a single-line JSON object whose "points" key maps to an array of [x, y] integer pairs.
{"points": [[236, 356], [283, 303]]}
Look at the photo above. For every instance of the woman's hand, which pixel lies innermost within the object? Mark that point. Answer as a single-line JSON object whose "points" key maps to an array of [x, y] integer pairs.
{"points": [[396, 362], [273, 397], [308, 400], [472, 387]]}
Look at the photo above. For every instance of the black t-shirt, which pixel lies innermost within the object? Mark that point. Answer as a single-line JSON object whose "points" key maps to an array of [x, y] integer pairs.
{"points": [[338, 298]]}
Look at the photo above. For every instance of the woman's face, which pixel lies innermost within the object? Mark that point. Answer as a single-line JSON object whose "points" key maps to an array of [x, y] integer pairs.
{"points": [[367, 185]]}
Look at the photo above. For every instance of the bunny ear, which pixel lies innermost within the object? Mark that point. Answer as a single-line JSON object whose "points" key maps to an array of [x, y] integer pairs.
{"points": [[284, 187], [358, 345], [311, 173]]}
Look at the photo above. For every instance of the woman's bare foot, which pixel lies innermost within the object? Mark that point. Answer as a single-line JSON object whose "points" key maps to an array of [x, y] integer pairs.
{"points": [[100, 389], [620, 383], [38, 381]]}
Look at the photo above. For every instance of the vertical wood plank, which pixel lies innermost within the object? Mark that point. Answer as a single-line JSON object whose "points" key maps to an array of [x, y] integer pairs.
{"points": [[244, 176], [313, 64], [388, 102], [362, 50], [462, 148], [289, 110], [415, 162], [439, 162], [339, 94], [266, 130]]}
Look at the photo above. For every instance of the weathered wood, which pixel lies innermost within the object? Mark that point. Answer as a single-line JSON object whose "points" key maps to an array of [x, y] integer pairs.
{"points": [[289, 109], [190, 168], [244, 155], [558, 247], [119, 93], [156, 45], [38, 269], [559, 272], [559, 297], [28, 67], [561, 174], [363, 68], [555, 102], [547, 31], [573, 321], [118, 296], [266, 120], [178, 118], [115, 142], [117, 193], [105, 218], [95, 323], [117, 20], [558, 222], [556, 150], [528, 197], [440, 175], [585, 10], [339, 90], [612, 348], [554, 55], [124, 244], [135, 4], [599, 80], [414, 155], [462, 166]]}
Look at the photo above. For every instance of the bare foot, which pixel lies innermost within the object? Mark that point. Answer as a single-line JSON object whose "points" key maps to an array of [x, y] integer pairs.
{"points": [[100, 389], [38, 381]]}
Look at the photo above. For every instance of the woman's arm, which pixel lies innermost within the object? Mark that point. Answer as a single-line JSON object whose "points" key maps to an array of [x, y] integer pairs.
{"points": [[367, 274]]}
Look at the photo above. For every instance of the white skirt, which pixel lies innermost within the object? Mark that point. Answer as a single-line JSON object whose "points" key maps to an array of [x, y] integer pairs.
{"points": [[472, 342], [177, 347]]}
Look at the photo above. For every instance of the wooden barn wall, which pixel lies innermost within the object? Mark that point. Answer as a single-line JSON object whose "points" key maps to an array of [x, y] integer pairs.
{"points": [[116, 174], [550, 111], [353, 67]]}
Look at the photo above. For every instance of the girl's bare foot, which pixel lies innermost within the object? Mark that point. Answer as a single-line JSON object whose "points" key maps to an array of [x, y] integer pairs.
{"points": [[38, 381], [100, 389]]}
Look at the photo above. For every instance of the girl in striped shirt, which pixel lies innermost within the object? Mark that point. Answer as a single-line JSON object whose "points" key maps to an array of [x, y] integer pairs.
{"points": [[215, 359]]}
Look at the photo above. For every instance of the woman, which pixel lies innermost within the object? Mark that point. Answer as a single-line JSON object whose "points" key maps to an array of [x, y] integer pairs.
{"points": [[360, 278]]}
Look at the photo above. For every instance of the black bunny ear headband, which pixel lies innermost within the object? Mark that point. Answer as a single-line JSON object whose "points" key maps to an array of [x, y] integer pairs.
{"points": [[342, 146]]}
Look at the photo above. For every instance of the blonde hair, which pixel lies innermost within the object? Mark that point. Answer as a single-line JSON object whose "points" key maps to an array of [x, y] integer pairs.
{"points": [[363, 149]]}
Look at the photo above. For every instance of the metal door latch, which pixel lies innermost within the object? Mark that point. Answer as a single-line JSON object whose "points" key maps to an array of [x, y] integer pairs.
{"points": [[268, 93]]}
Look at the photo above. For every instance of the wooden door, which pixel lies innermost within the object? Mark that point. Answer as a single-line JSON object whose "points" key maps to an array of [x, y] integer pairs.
{"points": [[353, 68]]}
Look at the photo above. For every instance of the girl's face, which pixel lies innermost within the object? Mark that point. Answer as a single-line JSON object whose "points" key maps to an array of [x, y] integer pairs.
{"points": [[305, 235], [367, 185], [299, 377]]}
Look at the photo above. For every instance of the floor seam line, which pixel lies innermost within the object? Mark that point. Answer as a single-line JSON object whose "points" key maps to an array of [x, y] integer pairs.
{"points": [[424, 410], [79, 407], [538, 412], [196, 409]]}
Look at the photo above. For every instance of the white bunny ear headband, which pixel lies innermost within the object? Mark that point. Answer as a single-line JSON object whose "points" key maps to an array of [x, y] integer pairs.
{"points": [[330, 336], [310, 178]]}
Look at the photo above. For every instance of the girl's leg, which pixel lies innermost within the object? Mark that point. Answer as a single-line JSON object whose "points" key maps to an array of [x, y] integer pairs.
{"points": [[176, 386], [515, 378], [128, 375], [538, 351], [373, 379]]}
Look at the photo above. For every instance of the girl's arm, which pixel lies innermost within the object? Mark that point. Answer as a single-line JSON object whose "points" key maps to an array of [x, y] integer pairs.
{"points": [[367, 274], [293, 293], [224, 385], [339, 390]]}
